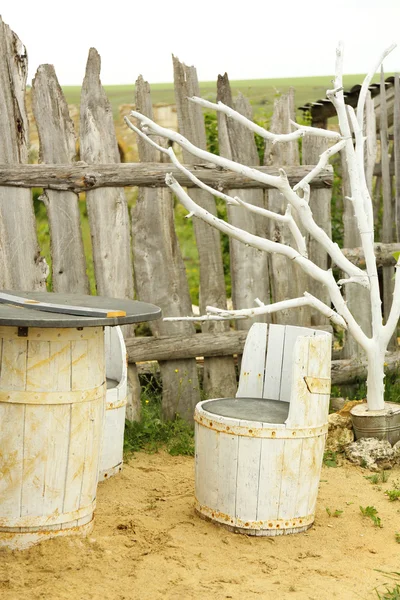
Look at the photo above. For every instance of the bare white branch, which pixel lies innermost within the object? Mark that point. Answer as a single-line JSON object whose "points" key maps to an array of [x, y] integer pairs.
{"points": [[280, 182], [323, 161], [266, 309], [235, 200], [273, 137]]}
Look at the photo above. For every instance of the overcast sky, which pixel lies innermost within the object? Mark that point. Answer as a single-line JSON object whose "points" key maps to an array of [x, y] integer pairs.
{"points": [[250, 39]]}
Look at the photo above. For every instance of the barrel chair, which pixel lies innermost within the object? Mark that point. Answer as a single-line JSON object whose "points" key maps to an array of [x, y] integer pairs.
{"points": [[259, 455], [117, 386]]}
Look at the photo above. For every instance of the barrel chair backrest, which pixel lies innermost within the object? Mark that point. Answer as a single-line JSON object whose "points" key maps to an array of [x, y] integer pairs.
{"points": [[290, 364], [116, 367]]}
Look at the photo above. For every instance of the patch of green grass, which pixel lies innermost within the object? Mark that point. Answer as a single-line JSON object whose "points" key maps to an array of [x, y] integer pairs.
{"points": [[376, 478], [389, 593], [152, 433], [371, 513], [330, 459], [393, 495], [335, 513]]}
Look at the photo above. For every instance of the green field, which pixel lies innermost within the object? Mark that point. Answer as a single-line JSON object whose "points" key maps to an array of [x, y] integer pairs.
{"points": [[261, 92]]}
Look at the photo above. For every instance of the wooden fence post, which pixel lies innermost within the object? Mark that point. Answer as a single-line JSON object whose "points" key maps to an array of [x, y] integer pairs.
{"points": [[320, 203], [396, 143], [21, 265], [387, 221], [249, 267], [57, 146], [107, 208], [219, 373], [160, 275], [287, 281]]}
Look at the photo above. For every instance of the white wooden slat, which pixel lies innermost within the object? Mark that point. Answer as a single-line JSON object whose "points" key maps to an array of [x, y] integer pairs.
{"points": [[319, 454], [251, 379], [227, 472], [79, 365], [319, 365], [273, 366], [291, 334], [113, 439], [34, 461], [92, 452], [289, 477], [56, 458], [300, 398], [95, 350], [272, 452], [207, 462], [12, 421], [60, 366], [38, 374], [13, 364], [309, 476], [248, 474], [79, 414]]}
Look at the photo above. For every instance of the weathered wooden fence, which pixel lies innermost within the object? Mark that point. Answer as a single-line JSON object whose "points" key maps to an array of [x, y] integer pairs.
{"points": [[139, 255]]}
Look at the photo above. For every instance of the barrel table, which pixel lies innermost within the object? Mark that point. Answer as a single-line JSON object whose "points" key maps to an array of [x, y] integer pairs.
{"points": [[52, 404]]}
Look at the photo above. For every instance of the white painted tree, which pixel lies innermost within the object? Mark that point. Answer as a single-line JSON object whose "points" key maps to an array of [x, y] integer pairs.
{"points": [[350, 121]]}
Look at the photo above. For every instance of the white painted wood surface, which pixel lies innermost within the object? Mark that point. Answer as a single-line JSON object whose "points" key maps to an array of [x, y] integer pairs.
{"points": [[112, 448], [52, 396], [262, 478]]}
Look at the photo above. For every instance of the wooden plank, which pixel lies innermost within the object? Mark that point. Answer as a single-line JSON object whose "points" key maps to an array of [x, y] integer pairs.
{"points": [[36, 433], [251, 380], [80, 177], [289, 361], [227, 473], [78, 419], [56, 458], [12, 419], [289, 477], [219, 373], [387, 219], [320, 204], [79, 365], [107, 208], [160, 276], [248, 474], [57, 146], [273, 365], [95, 427], [300, 409], [38, 373], [271, 463], [396, 137], [287, 280], [383, 253], [21, 265], [13, 364], [207, 490], [249, 267], [319, 368]]}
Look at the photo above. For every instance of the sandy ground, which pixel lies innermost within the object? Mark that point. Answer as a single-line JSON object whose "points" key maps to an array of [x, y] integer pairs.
{"points": [[148, 544]]}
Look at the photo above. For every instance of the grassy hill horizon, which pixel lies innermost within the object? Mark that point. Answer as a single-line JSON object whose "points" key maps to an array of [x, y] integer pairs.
{"points": [[261, 92]]}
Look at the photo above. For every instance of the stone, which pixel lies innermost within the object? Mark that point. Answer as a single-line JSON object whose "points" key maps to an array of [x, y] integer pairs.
{"points": [[340, 432], [373, 454]]}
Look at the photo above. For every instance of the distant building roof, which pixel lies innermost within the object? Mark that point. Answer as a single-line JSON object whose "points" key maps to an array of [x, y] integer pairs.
{"points": [[321, 110]]}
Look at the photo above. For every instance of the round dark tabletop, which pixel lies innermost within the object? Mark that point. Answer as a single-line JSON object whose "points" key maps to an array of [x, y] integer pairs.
{"points": [[249, 409], [136, 312]]}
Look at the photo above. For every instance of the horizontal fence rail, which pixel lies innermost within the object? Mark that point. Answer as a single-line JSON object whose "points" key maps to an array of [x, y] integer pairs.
{"points": [[80, 177]]}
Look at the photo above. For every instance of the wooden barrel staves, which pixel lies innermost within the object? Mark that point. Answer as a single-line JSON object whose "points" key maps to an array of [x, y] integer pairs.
{"points": [[111, 457], [52, 398], [259, 455]]}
